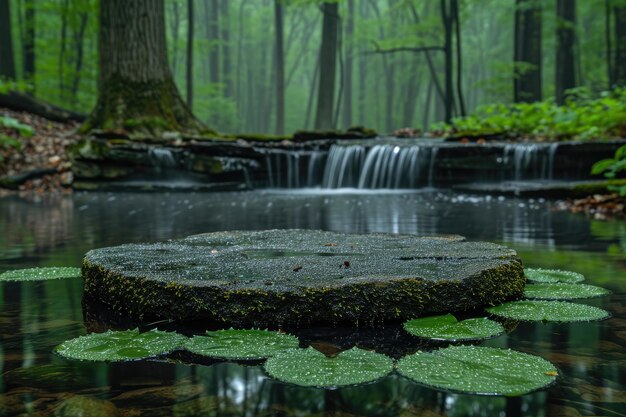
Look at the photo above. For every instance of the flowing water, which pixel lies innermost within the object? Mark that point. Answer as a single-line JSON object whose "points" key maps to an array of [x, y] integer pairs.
{"points": [[58, 230]]}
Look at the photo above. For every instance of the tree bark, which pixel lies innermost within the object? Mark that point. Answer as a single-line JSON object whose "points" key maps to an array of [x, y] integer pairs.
{"points": [[214, 51], [328, 64], [459, 56], [619, 61], [527, 51], [190, 34], [175, 33], [227, 78], [29, 40], [7, 63], [348, 66], [280, 68], [136, 89], [447, 20], [79, 37], [566, 62], [608, 38]]}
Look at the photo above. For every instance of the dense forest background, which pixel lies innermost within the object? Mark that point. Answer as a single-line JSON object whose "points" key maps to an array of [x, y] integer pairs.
{"points": [[399, 63]]}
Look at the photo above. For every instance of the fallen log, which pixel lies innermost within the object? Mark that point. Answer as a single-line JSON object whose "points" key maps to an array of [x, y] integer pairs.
{"points": [[17, 101]]}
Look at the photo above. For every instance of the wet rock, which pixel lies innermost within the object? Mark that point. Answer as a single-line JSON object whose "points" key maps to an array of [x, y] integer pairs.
{"points": [[221, 277], [83, 406]]}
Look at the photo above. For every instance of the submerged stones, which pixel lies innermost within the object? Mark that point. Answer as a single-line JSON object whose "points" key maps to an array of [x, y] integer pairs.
{"points": [[281, 277]]}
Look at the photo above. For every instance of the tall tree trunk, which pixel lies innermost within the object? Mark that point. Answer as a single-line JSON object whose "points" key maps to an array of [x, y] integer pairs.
{"points": [[7, 63], [189, 74], [347, 80], [280, 68], [363, 62], [227, 78], [136, 88], [214, 51], [328, 64], [454, 6], [447, 20], [79, 37], [527, 51], [566, 62], [619, 62], [608, 37], [29, 40], [175, 33], [64, 15]]}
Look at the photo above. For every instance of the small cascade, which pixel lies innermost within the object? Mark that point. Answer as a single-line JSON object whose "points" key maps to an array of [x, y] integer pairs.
{"points": [[294, 169], [162, 158], [381, 166], [530, 161]]}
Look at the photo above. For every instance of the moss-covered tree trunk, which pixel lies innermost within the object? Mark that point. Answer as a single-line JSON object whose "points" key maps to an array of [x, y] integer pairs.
{"points": [[137, 93]]}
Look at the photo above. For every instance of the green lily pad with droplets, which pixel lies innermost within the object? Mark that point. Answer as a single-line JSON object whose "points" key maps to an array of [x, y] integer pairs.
{"points": [[311, 368], [241, 344], [562, 291], [40, 274], [552, 275], [555, 311], [479, 370], [447, 327], [126, 345]]}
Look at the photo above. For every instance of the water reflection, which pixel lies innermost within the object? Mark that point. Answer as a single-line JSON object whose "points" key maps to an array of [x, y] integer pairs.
{"points": [[34, 317]]}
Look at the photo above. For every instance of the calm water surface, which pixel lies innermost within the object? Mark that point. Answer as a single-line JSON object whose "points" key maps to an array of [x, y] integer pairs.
{"points": [[58, 230]]}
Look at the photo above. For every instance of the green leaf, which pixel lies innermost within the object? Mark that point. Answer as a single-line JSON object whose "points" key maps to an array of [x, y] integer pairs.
{"points": [[479, 370], [557, 311], [311, 368], [552, 275], [562, 291], [241, 344], [447, 327], [601, 166], [40, 274], [121, 345]]}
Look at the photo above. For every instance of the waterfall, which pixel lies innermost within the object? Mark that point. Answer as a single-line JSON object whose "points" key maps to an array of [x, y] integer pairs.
{"points": [[162, 158], [530, 161], [294, 169]]}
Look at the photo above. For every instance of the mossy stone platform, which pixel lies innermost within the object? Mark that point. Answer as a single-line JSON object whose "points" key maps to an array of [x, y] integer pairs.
{"points": [[296, 277]]}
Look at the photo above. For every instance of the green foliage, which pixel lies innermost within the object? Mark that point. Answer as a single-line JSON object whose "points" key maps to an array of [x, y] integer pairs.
{"points": [[311, 368], [40, 274], [581, 118], [561, 291], [241, 344], [479, 370], [123, 345], [611, 167], [556, 311], [22, 129], [447, 327], [552, 275]]}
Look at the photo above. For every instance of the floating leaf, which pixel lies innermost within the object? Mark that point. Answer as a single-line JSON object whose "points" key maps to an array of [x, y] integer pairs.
{"points": [[479, 370], [447, 327], [121, 345], [310, 368], [558, 311], [562, 291], [241, 344], [37, 274], [552, 275]]}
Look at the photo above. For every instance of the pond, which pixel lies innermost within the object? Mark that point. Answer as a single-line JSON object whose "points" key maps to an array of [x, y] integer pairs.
{"points": [[58, 230]]}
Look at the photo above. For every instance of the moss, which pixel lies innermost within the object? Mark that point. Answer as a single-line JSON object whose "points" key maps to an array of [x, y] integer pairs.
{"points": [[212, 277], [599, 187], [257, 137]]}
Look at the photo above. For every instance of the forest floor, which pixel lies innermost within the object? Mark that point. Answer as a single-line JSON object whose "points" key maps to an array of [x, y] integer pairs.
{"points": [[42, 155]]}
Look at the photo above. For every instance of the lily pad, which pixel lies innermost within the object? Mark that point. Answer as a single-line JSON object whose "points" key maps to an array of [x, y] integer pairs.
{"points": [[562, 291], [557, 311], [123, 345], [241, 344], [447, 327], [40, 274], [479, 370], [552, 275], [311, 368]]}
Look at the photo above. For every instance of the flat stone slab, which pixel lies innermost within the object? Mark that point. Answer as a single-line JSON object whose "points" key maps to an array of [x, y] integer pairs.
{"points": [[296, 277]]}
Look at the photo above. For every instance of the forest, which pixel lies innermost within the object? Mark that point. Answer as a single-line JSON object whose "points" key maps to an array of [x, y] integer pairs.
{"points": [[275, 67]]}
